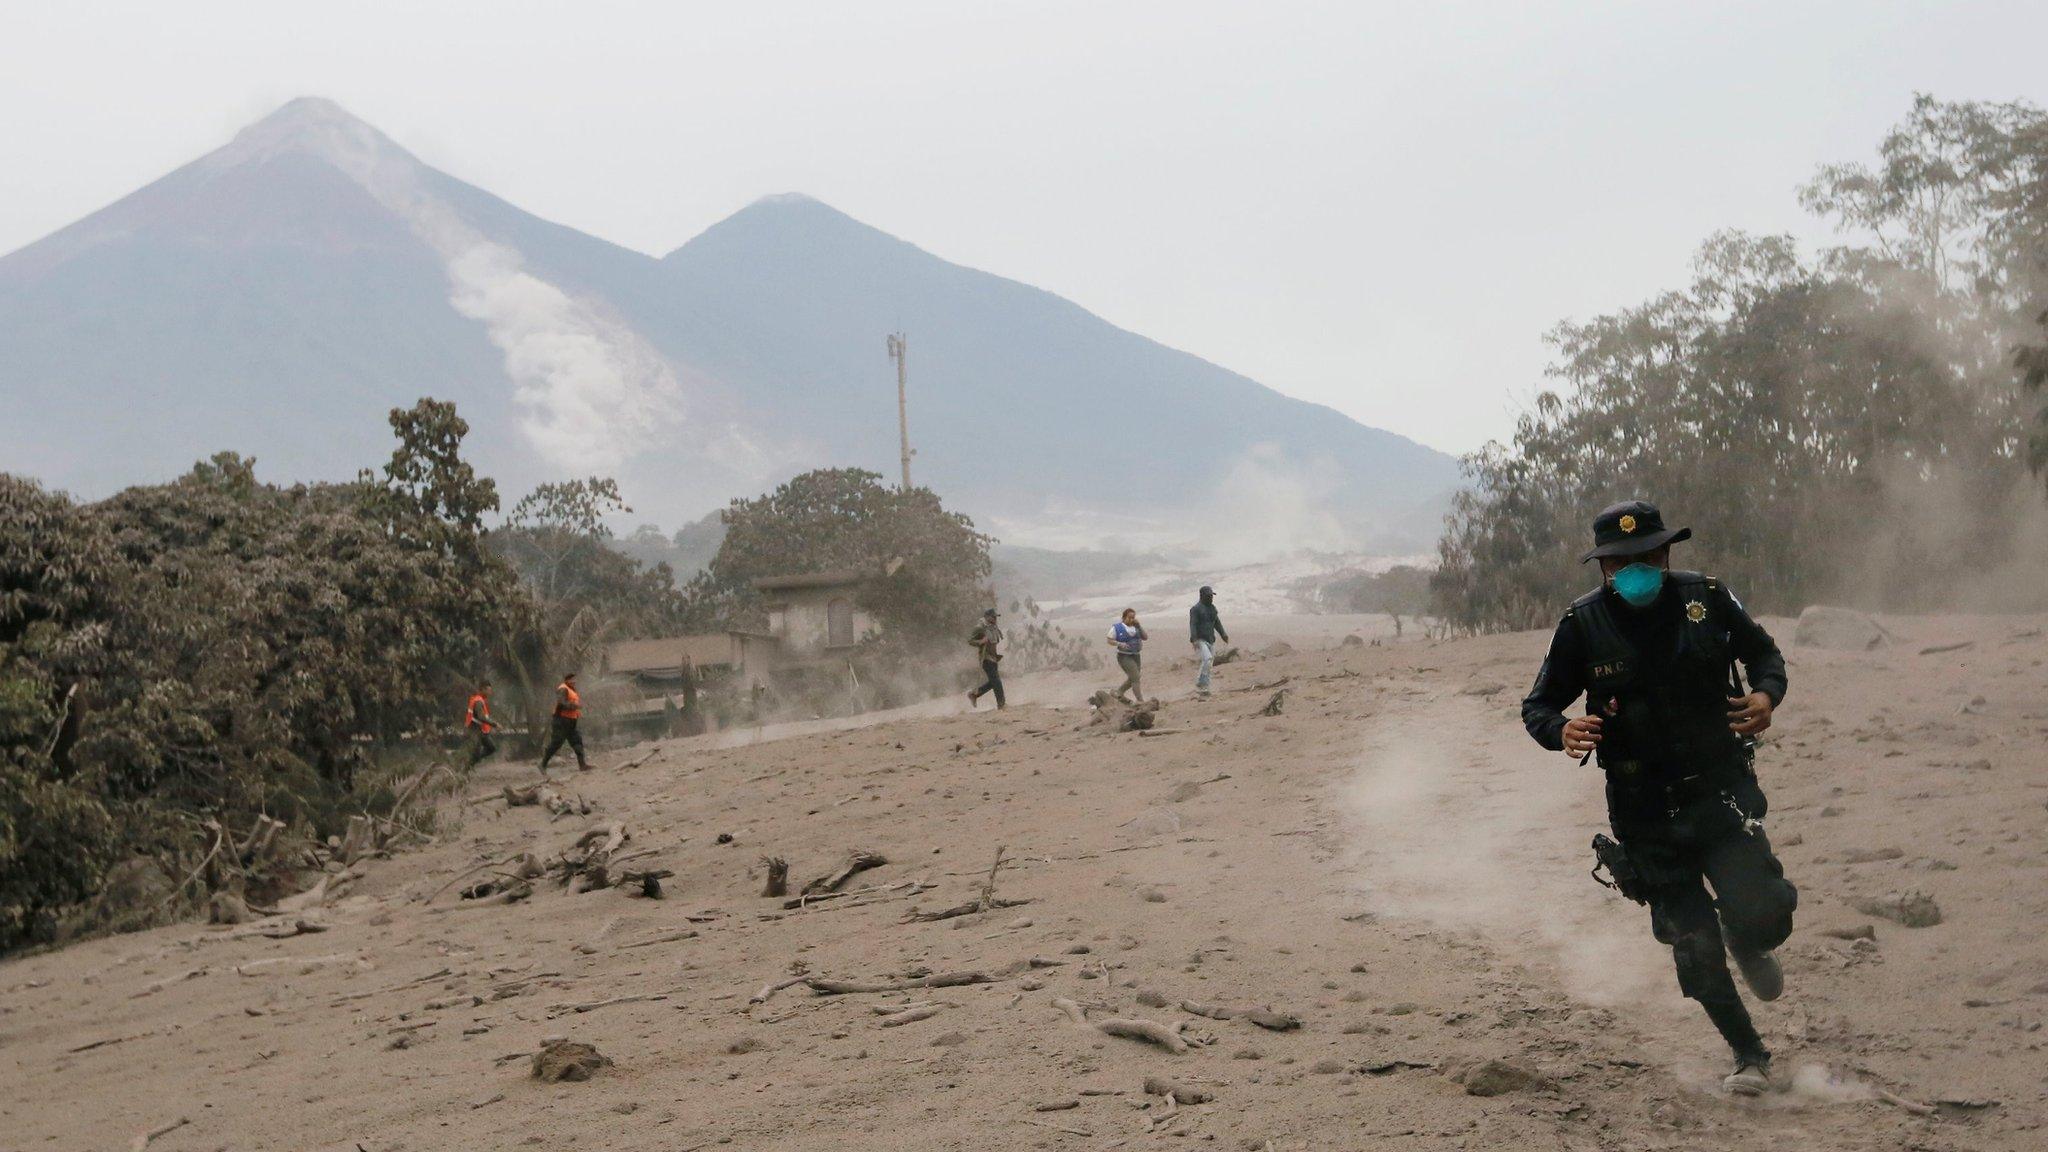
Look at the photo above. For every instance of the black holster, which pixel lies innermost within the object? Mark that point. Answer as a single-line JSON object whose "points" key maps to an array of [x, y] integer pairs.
{"points": [[1622, 874]]}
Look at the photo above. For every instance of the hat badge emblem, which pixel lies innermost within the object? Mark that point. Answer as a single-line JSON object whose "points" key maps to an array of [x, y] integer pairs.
{"points": [[1695, 611], [1628, 524]]}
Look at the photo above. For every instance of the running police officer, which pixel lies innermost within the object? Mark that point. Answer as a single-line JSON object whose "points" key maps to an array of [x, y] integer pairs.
{"points": [[1653, 651]]}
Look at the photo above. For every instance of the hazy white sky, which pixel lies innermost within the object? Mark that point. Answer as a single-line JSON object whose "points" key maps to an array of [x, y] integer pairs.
{"points": [[1380, 207]]}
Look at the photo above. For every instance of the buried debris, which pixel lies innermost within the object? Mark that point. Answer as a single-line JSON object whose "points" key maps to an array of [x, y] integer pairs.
{"points": [[1910, 909], [778, 876], [1499, 1078], [646, 881], [1121, 715], [560, 1060], [1179, 1093], [1275, 705]]}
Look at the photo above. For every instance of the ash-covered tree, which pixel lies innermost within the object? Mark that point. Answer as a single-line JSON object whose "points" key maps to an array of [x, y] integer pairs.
{"points": [[928, 567], [583, 591], [56, 836], [228, 648], [1812, 419]]}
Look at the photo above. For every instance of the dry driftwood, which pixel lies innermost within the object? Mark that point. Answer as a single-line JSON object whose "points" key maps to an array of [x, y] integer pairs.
{"points": [[824, 987], [856, 862], [911, 1015], [771, 988], [1263, 1017], [1149, 1031]]}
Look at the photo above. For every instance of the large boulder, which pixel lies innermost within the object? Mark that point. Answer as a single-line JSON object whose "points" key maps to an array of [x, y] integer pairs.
{"points": [[1837, 629]]}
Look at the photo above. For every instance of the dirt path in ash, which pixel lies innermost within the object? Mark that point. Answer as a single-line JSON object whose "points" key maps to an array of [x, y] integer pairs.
{"points": [[1389, 860]]}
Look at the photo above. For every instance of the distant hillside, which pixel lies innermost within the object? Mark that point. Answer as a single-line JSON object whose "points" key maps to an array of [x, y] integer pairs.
{"points": [[276, 296]]}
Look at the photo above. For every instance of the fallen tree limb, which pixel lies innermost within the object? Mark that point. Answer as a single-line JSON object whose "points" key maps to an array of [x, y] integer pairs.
{"points": [[824, 987], [856, 862], [968, 909], [911, 1015], [1147, 1030], [1898, 1101], [772, 987]]}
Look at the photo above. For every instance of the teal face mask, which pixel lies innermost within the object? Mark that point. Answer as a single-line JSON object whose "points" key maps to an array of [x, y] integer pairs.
{"points": [[1639, 584]]}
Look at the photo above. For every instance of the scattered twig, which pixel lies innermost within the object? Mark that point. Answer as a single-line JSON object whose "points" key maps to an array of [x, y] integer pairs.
{"points": [[219, 838], [664, 938], [639, 760], [1055, 1127], [142, 1141], [108, 1042]]}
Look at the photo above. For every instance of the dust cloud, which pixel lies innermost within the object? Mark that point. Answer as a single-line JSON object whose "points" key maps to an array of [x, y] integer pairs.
{"points": [[1476, 838]]}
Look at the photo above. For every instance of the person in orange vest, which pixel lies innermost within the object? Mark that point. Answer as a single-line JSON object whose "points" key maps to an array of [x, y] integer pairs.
{"points": [[568, 710], [478, 723]]}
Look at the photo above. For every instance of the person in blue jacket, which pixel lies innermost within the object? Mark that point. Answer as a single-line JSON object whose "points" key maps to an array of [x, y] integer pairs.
{"points": [[1128, 638]]}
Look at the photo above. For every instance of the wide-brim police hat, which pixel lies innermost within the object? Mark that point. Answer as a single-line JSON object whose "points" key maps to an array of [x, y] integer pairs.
{"points": [[1631, 528]]}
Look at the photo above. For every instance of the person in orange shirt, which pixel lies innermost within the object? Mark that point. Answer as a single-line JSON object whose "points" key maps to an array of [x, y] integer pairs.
{"points": [[568, 711], [477, 721]]}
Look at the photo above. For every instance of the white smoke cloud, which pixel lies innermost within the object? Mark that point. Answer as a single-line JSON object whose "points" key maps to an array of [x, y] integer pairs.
{"points": [[589, 390], [1276, 504]]}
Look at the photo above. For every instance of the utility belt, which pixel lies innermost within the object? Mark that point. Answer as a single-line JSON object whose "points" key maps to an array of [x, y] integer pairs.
{"points": [[1638, 786]]}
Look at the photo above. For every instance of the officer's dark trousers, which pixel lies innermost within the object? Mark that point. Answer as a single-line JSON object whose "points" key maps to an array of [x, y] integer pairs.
{"points": [[1712, 842], [994, 672], [563, 731], [480, 746]]}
